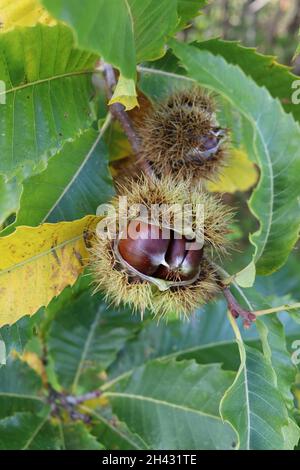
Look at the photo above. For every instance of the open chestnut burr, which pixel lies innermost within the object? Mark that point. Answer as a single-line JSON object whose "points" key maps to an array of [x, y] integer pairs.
{"points": [[148, 270]]}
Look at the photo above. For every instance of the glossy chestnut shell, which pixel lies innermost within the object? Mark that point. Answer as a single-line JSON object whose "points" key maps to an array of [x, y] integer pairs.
{"points": [[149, 253]]}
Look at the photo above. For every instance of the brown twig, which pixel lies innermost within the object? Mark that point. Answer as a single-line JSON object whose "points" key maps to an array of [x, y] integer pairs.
{"points": [[119, 113], [73, 400], [60, 401], [237, 310]]}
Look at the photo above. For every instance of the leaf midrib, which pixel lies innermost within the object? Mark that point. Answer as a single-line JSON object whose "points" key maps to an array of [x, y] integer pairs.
{"points": [[82, 165], [169, 356], [113, 428], [85, 350], [40, 255], [271, 201], [20, 396], [162, 403], [45, 80], [249, 427], [35, 433]]}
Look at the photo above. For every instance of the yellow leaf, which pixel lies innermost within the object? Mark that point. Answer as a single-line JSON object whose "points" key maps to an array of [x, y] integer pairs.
{"points": [[23, 13], [297, 397], [97, 403], [37, 263], [118, 144], [240, 174], [35, 362], [125, 93]]}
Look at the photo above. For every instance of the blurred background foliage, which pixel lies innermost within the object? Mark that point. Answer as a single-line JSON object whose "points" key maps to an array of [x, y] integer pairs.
{"points": [[272, 26]]}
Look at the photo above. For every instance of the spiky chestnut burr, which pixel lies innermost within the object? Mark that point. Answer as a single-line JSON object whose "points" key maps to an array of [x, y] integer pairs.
{"points": [[158, 274], [180, 136]]}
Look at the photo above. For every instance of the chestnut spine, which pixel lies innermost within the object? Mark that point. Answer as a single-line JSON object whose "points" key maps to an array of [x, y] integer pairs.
{"points": [[181, 136]]}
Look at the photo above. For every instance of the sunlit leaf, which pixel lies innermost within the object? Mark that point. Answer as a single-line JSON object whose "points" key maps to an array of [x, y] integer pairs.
{"points": [[38, 263], [239, 175], [246, 277], [123, 33], [23, 13], [187, 9], [125, 93]]}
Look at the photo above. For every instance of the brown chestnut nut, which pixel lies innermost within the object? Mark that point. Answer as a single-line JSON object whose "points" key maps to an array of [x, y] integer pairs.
{"points": [[148, 253], [190, 265], [144, 253], [184, 263], [176, 252]]}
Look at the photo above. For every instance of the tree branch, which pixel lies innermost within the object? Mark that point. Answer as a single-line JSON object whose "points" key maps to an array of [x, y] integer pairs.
{"points": [[59, 401], [119, 113], [237, 310], [73, 400], [234, 307]]}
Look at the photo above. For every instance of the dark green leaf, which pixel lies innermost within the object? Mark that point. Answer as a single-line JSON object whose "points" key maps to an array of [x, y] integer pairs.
{"points": [[275, 201], [283, 282], [88, 189], [174, 405], [26, 431], [207, 338], [253, 404], [187, 9], [123, 33], [84, 342], [16, 336], [43, 72], [264, 69], [77, 437], [10, 193], [158, 79], [275, 349], [114, 434], [19, 389], [74, 183]]}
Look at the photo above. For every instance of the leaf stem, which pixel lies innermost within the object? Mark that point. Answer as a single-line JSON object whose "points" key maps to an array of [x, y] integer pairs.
{"points": [[277, 309]]}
